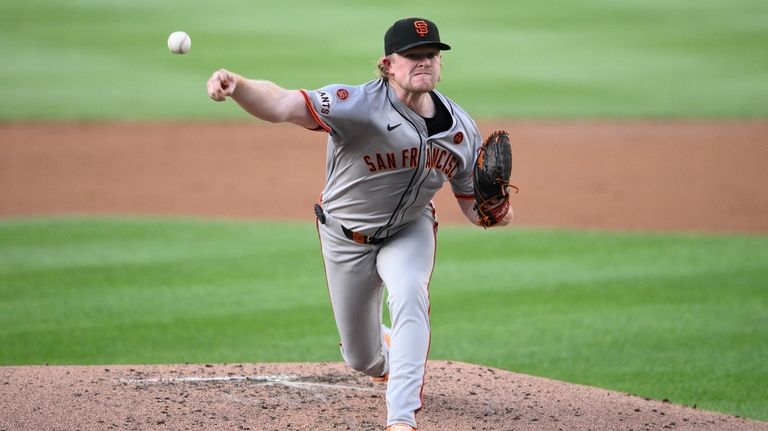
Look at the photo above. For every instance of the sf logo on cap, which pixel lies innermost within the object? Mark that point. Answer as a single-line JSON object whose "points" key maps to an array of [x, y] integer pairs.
{"points": [[421, 28]]}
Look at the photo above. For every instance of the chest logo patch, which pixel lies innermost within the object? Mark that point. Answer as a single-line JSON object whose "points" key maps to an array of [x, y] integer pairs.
{"points": [[458, 138], [342, 94]]}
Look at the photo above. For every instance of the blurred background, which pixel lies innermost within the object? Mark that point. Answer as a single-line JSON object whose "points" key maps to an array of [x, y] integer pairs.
{"points": [[142, 223], [75, 60]]}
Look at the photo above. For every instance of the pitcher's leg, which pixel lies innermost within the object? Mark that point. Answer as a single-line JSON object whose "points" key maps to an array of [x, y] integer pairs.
{"points": [[405, 264], [356, 293]]}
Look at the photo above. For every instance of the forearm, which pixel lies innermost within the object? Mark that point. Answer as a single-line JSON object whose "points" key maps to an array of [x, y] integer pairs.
{"points": [[467, 207], [262, 99]]}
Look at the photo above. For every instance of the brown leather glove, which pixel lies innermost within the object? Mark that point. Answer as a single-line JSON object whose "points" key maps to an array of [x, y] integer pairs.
{"points": [[492, 171]]}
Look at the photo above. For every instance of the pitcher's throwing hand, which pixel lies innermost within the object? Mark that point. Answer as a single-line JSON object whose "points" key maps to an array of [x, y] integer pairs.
{"points": [[221, 85]]}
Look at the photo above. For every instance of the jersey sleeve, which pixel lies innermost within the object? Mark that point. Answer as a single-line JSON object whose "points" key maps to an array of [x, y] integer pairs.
{"points": [[338, 109]]}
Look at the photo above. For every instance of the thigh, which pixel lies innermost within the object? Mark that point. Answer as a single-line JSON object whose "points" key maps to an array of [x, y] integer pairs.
{"points": [[407, 260], [355, 289]]}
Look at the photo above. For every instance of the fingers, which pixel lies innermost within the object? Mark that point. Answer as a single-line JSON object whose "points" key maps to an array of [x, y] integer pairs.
{"points": [[221, 85]]}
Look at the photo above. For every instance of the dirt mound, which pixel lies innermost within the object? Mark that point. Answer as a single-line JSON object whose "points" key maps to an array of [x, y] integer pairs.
{"points": [[325, 396]]}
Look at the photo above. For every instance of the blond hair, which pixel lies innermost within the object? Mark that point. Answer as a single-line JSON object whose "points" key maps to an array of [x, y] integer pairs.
{"points": [[382, 71]]}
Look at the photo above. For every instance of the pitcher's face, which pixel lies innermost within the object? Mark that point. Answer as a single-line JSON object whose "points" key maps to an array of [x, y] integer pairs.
{"points": [[416, 70]]}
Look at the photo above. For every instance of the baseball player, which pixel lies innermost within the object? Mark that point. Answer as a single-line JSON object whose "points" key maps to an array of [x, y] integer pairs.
{"points": [[392, 144]]}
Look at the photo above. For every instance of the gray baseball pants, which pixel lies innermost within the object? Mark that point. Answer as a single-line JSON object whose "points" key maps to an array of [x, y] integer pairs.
{"points": [[357, 275]]}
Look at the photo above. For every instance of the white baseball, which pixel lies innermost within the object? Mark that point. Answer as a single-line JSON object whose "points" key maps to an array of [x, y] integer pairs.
{"points": [[179, 42]]}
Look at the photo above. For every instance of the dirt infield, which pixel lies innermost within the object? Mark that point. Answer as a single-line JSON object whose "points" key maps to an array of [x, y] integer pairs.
{"points": [[682, 176], [321, 397]]}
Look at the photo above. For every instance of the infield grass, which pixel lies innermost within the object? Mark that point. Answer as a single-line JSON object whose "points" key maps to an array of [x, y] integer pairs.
{"points": [[682, 317], [89, 59]]}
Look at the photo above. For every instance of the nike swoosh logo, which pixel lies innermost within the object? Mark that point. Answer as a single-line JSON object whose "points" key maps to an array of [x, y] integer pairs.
{"points": [[391, 128]]}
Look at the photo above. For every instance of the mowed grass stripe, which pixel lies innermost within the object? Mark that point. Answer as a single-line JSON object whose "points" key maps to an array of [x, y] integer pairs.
{"points": [[584, 58], [676, 316]]}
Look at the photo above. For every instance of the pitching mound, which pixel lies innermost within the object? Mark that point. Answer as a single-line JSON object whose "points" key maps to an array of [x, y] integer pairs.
{"points": [[326, 396]]}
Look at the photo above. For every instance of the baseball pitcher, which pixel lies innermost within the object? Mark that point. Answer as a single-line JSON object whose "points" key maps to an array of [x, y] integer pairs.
{"points": [[392, 144]]}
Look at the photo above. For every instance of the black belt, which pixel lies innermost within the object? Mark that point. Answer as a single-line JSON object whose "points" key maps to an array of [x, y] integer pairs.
{"points": [[354, 236], [360, 238]]}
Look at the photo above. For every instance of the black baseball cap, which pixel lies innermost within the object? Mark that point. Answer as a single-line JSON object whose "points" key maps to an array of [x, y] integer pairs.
{"points": [[412, 32]]}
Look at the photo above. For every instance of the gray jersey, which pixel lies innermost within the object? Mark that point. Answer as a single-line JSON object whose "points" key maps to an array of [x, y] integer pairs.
{"points": [[383, 168]]}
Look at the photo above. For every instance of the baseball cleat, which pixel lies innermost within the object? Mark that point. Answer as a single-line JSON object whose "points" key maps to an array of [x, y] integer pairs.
{"points": [[386, 336], [400, 427], [381, 379]]}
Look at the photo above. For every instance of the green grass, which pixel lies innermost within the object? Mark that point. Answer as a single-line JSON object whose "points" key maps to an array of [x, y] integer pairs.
{"points": [[98, 291], [682, 317], [88, 59], [679, 316]]}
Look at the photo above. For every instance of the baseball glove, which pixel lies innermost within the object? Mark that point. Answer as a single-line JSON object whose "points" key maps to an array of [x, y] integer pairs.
{"points": [[492, 171]]}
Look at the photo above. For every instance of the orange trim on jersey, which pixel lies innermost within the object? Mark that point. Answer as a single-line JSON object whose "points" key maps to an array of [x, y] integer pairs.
{"points": [[468, 197], [321, 124], [434, 216]]}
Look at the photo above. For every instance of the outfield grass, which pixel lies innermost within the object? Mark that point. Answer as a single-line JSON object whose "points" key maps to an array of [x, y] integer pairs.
{"points": [[681, 317], [89, 59]]}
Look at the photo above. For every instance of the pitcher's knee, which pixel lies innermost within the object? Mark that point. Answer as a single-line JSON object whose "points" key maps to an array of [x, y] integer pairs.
{"points": [[372, 366], [365, 362]]}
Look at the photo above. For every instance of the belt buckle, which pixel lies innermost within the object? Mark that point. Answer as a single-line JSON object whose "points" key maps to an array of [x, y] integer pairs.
{"points": [[359, 238]]}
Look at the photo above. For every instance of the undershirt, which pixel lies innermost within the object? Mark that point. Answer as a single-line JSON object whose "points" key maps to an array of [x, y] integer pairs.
{"points": [[442, 120]]}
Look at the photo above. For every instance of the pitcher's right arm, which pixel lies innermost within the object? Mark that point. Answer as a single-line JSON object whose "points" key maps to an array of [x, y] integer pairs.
{"points": [[262, 99]]}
